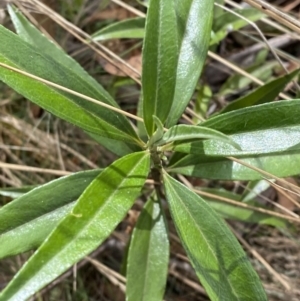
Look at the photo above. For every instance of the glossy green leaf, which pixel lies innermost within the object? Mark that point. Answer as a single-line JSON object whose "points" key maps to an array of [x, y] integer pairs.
{"points": [[219, 261], [262, 129], [89, 116], [181, 133], [28, 220], [98, 211], [148, 257], [160, 53], [277, 114], [228, 22], [266, 93], [194, 21], [230, 211], [125, 29], [280, 165]]}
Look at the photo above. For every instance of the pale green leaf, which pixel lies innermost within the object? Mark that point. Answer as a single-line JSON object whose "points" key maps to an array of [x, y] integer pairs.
{"points": [[126, 29], [237, 82], [28, 220]]}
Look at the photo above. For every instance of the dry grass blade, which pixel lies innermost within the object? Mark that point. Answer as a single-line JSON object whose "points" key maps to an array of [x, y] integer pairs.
{"points": [[276, 14], [129, 8], [270, 22], [282, 190], [267, 174], [241, 71], [264, 40], [238, 204], [246, 206], [115, 278], [86, 39], [34, 169]]}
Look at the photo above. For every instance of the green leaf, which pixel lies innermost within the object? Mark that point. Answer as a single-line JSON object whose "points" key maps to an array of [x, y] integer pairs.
{"points": [[194, 21], [32, 234], [228, 22], [15, 192], [28, 220], [119, 148], [266, 93], [182, 133], [219, 261], [230, 211], [30, 34], [126, 29], [87, 115], [34, 37], [263, 129], [238, 82], [158, 134], [280, 165], [98, 211], [148, 257], [160, 54], [202, 101]]}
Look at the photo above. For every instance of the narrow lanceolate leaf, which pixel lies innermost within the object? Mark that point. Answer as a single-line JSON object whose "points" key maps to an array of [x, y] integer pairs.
{"points": [[89, 116], [148, 257], [194, 21], [160, 54], [181, 133], [33, 36], [98, 211], [125, 29], [264, 94], [219, 261], [28, 220], [280, 165], [262, 129]]}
